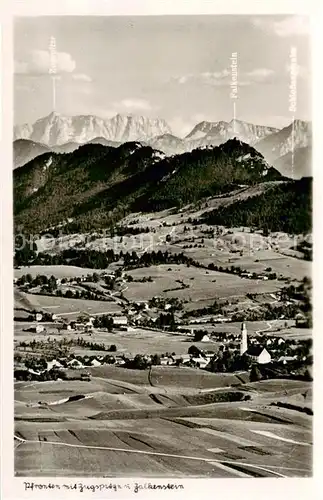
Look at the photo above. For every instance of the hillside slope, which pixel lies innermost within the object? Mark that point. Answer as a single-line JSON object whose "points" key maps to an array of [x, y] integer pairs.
{"points": [[284, 207], [96, 185]]}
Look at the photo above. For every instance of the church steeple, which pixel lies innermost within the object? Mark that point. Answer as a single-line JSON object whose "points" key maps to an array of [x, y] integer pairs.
{"points": [[244, 339]]}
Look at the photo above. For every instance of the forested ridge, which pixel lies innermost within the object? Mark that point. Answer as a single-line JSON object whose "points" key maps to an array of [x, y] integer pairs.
{"points": [[95, 186], [284, 207]]}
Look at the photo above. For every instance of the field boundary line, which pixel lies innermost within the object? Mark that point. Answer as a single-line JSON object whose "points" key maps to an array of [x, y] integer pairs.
{"points": [[155, 453]]}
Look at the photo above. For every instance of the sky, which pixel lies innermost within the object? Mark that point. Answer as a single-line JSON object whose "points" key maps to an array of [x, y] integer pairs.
{"points": [[173, 67]]}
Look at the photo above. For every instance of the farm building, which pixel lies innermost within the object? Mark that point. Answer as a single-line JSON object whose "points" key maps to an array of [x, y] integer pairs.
{"points": [[286, 359], [301, 321], [53, 364], [120, 321], [205, 338], [89, 326], [39, 328], [166, 361], [258, 354], [39, 316], [75, 364], [183, 358], [200, 362], [95, 362], [120, 361]]}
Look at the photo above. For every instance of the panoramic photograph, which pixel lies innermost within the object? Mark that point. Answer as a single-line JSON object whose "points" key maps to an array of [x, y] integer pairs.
{"points": [[162, 197]]}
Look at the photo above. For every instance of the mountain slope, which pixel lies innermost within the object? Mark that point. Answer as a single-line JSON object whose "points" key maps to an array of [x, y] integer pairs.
{"points": [[207, 172], [206, 134], [95, 185], [283, 207], [56, 129], [25, 150], [295, 165], [219, 132], [296, 135]]}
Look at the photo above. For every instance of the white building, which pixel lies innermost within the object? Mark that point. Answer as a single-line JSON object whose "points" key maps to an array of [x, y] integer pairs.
{"points": [[75, 364], [244, 339], [200, 362], [95, 362], [120, 321], [287, 359], [53, 364], [258, 354]]}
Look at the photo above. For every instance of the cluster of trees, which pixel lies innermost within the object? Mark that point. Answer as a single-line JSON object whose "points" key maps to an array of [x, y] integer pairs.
{"points": [[306, 248], [131, 231], [26, 254], [93, 259], [81, 294], [238, 271], [93, 346], [166, 321], [39, 280], [285, 207], [155, 258], [145, 279], [104, 321], [44, 376]]}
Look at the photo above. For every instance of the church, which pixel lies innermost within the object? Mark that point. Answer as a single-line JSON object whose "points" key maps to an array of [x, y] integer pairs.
{"points": [[256, 353]]}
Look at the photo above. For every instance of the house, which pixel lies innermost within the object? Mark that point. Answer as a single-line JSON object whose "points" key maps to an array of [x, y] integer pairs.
{"points": [[200, 362], [39, 317], [286, 359], [54, 317], [301, 321], [75, 364], [181, 358], [95, 362], [119, 361], [89, 326], [120, 321], [53, 364], [258, 354], [208, 354], [39, 328], [205, 338]]}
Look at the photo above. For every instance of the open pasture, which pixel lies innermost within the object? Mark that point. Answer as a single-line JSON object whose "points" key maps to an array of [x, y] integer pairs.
{"points": [[165, 447], [71, 308], [56, 271], [200, 284], [103, 434]]}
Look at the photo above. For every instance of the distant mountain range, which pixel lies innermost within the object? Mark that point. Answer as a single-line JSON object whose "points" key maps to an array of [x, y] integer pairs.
{"points": [[96, 185], [56, 129], [62, 134]]}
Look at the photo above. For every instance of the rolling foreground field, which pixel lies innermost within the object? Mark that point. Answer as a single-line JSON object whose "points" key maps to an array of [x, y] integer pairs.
{"points": [[167, 422]]}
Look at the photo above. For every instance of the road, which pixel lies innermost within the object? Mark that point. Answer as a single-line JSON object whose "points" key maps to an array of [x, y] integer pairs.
{"points": [[212, 461]]}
